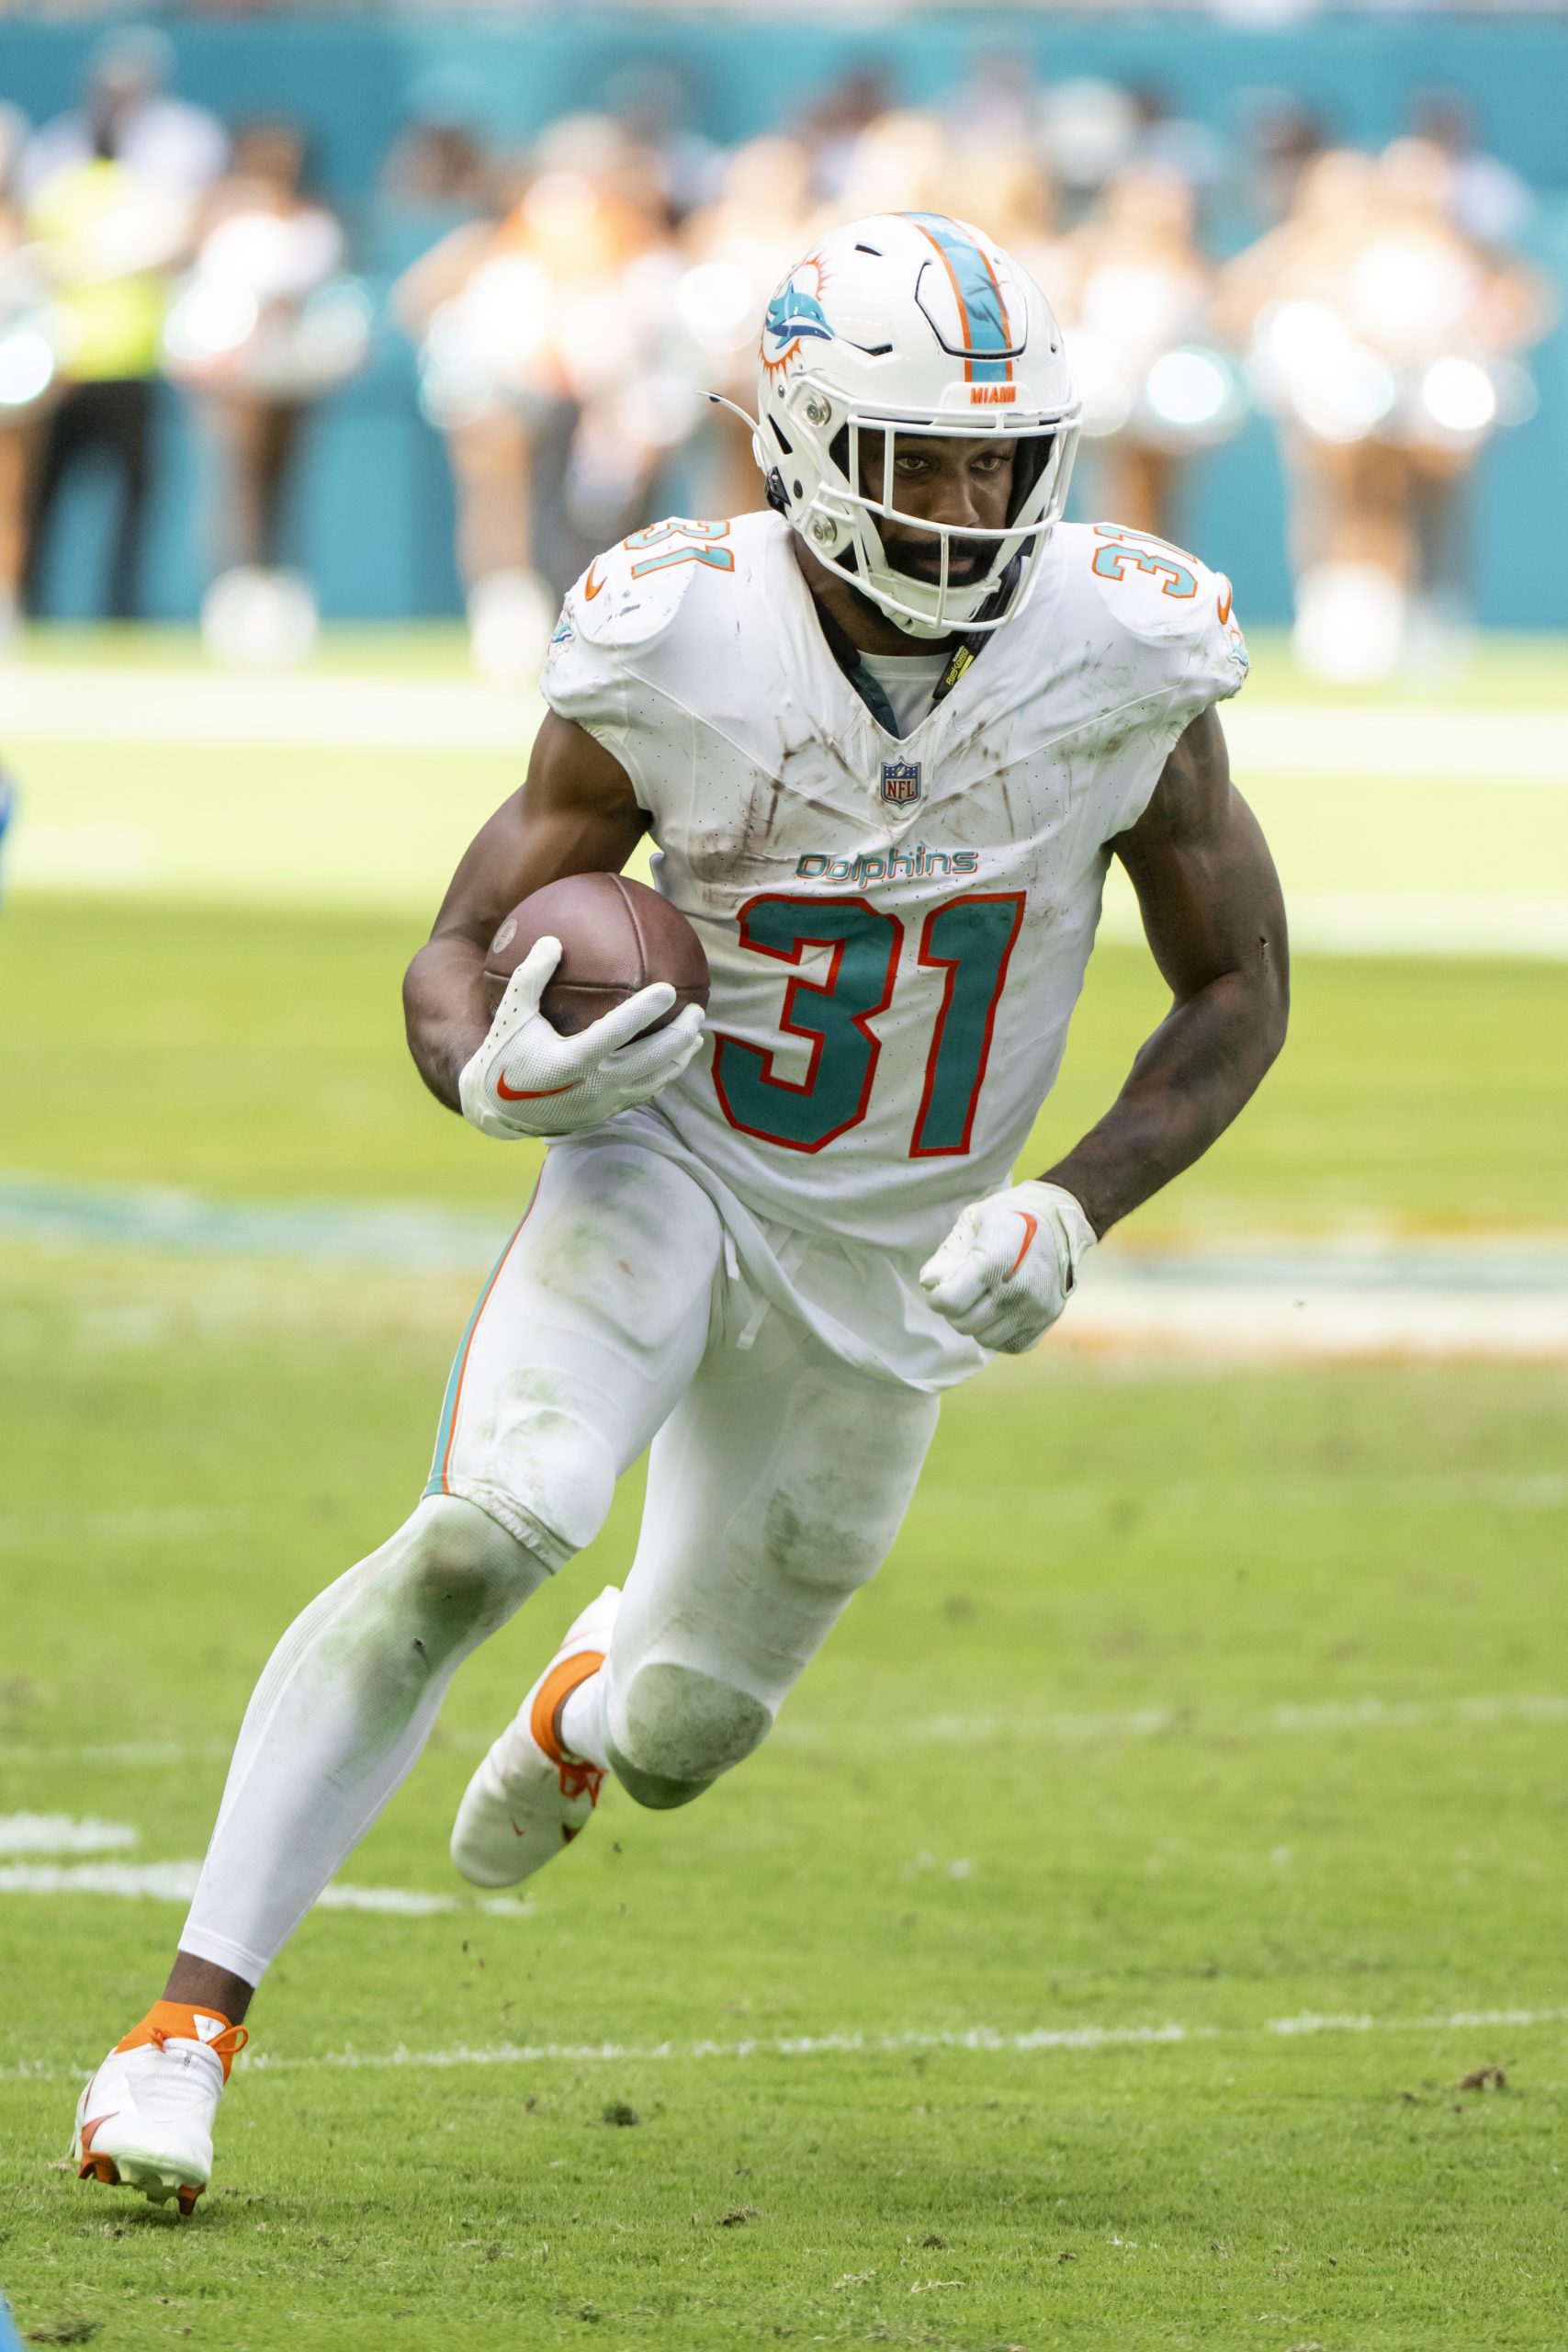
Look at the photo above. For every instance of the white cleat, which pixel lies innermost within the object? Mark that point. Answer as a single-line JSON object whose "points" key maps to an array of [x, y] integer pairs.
{"points": [[529, 1799], [145, 2121]]}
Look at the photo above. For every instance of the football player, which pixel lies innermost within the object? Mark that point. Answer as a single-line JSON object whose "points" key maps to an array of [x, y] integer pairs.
{"points": [[887, 734]]}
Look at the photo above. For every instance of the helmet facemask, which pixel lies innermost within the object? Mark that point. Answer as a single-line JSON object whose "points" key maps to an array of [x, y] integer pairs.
{"points": [[841, 523]]}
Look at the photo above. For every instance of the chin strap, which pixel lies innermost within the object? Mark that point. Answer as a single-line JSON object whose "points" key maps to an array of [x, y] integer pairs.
{"points": [[970, 645], [966, 653]]}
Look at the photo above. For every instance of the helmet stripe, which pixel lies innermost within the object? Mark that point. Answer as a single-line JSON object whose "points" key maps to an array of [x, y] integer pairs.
{"points": [[981, 309]]}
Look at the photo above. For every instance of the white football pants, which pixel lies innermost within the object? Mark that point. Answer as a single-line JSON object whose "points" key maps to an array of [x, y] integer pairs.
{"points": [[777, 1480]]}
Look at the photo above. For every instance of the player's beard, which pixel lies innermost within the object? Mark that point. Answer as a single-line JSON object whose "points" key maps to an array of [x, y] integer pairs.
{"points": [[906, 554], [917, 555]]}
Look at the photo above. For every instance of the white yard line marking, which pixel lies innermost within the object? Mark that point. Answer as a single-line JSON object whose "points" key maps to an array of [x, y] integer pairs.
{"points": [[448, 716], [977, 2040], [153, 1755], [1333, 1716], [1397, 742], [175, 1883], [1338, 1300], [61, 1833], [1498, 923], [159, 1882], [1307, 1322], [1394, 742], [981, 2040]]}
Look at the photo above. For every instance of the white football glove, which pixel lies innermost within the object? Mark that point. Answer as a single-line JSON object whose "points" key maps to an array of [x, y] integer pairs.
{"points": [[1007, 1268], [527, 1079]]}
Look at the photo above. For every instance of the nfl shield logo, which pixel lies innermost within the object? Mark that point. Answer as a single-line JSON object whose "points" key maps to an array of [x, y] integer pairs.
{"points": [[900, 782]]}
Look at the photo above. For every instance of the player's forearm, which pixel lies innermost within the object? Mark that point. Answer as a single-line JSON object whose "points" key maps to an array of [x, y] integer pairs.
{"points": [[577, 814], [445, 1012], [1203, 1062]]}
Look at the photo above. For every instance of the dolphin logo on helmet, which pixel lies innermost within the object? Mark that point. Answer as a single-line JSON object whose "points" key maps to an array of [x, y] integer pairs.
{"points": [[795, 312], [795, 316]]}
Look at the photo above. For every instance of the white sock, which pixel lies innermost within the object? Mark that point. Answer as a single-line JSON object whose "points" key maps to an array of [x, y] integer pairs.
{"points": [[582, 1721], [340, 1714]]}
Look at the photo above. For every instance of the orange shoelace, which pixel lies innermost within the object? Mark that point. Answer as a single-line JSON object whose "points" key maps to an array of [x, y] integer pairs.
{"points": [[169, 2021], [580, 1780], [227, 2044]]}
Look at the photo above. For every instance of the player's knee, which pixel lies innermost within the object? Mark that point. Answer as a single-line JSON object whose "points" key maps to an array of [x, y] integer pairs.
{"points": [[459, 1574], [557, 1470], [677, 1730]]}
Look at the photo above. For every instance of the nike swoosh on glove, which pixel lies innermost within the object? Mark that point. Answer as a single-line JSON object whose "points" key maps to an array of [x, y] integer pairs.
{"points": [[527, 1079], [1009, 1266]]}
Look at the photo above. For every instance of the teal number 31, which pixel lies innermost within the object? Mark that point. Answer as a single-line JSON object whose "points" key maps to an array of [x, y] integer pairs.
{"points": [[969, 940]]}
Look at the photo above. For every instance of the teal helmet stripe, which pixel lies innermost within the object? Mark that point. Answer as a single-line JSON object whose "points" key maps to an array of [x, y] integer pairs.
{"points": [[987, 329]]}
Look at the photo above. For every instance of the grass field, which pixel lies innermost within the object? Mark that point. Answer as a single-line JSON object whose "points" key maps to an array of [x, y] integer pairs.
{"points": [[1437, 827], [1115, 1944], [251, 1055]]}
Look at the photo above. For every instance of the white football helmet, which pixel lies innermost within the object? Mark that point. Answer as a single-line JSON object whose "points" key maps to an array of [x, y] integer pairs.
{"points": [[911, 322]]}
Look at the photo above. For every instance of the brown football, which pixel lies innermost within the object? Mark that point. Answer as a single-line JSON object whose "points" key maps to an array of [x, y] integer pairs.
{"points": [[615, 936]]}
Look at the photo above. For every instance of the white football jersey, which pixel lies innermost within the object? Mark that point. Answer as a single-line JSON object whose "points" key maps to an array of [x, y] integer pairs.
{"points": [[897, 927]]}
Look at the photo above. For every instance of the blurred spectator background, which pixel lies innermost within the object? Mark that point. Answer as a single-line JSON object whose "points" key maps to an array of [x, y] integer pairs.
{"points": [[388, 316]]}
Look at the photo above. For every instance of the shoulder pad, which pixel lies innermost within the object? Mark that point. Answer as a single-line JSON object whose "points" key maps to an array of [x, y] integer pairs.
{"points": [[629, 596], [1163, 596], [1152, 588]]}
